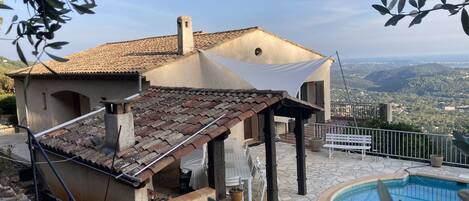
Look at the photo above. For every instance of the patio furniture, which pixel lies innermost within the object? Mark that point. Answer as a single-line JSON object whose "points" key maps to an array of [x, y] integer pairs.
{"points": [[259, 174], [347, 142], [237, 166], [196, 162]]}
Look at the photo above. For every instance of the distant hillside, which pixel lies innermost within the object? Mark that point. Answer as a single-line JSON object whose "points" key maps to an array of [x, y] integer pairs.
{"points": [[6, 65], [420, 79], [425, 79], [407, 72]]}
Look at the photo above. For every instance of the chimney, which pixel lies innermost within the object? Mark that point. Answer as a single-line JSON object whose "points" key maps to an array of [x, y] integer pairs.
{"points": [[118, 115], [185, 35]]}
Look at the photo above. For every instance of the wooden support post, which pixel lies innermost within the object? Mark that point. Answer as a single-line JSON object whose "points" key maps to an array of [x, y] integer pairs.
{"points": [[216, 165], [300, 153], [271, 159]]}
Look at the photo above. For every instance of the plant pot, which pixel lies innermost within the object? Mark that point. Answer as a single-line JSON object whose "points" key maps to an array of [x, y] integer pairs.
{"points": [[236, 195], [315, 145], [436, 160]]}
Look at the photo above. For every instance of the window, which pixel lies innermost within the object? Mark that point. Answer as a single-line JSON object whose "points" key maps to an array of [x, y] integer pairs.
{"points": [[44, 101], [258, 51], [187, 24]]}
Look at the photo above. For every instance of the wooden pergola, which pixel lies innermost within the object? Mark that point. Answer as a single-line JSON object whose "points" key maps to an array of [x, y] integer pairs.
{"points": [[287, 107]]}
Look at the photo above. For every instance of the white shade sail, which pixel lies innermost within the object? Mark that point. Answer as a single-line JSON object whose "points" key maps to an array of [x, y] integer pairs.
{"points": [[288, 77]]}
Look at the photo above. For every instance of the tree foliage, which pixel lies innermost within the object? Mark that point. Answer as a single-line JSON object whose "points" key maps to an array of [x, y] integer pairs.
{"points": [[46, 17], [418, 10]]}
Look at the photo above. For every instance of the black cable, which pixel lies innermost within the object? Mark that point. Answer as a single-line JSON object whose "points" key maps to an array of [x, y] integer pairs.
{"points": [[418, 166], [346, 88], [112, 163]]}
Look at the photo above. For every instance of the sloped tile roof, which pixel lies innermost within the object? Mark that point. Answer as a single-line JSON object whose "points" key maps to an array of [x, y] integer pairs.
{"points": [[130, 56], [163, 117]]}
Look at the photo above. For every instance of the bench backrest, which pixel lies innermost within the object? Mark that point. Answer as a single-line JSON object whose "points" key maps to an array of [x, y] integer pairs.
{"points": [[348, 138]]}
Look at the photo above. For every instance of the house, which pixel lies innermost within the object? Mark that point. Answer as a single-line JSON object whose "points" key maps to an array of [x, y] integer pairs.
{"points": [[120, 69], [149, 134]]}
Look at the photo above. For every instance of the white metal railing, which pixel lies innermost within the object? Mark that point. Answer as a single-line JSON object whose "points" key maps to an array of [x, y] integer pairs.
{"points": [[400, 144]]}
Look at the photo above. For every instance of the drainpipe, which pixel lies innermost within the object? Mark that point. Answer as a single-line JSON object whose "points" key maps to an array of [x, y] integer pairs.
{"points": [[140, 83]]}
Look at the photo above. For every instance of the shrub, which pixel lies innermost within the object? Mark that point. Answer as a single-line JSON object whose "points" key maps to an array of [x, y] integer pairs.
{"points": [[376, 123], [13, 119], [8, 104]]}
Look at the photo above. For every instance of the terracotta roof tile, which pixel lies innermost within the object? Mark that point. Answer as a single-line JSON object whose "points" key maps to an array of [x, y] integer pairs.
{"points": [[162, 124], [130, 56]]}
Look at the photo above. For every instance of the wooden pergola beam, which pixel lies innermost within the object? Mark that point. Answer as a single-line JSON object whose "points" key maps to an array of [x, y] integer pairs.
{"points": [[300, 153], [216, 165], [271, 158]]}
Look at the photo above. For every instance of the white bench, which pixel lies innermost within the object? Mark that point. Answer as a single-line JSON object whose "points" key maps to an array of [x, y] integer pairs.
{"points": [[347, 142]]}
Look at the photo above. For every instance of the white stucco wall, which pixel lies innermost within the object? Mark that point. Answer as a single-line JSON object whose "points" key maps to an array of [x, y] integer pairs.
{"points": [[41, 118], [87, 184], [196, 71]]}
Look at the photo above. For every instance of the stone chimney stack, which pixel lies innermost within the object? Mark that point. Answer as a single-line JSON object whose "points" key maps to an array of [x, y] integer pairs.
{"points": [[185, 35], [118, 116]]}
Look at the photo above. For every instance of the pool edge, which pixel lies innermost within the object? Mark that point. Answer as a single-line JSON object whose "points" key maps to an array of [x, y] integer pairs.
{"points": [[333, 191]]}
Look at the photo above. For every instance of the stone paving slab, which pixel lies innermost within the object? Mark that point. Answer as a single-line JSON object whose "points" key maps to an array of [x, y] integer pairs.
{"points": [[324, 173], [16, 144]]}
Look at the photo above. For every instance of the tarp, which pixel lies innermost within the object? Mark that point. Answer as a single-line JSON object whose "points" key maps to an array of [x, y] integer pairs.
{"points": [[288, 77]]}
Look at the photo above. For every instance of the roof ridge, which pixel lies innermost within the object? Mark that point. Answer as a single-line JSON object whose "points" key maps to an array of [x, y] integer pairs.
{"points": [[200, 32], [252, 90]]}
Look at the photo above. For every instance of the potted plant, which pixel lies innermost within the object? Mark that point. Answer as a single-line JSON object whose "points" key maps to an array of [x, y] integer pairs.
{"points": [[436, 160], [315, 144], [236, 194]]}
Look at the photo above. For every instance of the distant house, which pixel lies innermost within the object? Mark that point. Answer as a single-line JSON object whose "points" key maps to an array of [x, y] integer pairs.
{"points": [[449, 108], [120, 69]]}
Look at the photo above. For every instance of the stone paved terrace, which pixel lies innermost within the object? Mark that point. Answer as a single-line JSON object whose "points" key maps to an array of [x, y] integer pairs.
{"points": [[324, 173]]}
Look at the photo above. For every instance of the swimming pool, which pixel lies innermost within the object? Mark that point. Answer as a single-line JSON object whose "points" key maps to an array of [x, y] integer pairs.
{"points": [[411, 188]]}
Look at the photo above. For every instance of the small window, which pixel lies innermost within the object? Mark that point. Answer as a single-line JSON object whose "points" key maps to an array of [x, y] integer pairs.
{"points": [[44, 101], [187, 24], [258, 51]]}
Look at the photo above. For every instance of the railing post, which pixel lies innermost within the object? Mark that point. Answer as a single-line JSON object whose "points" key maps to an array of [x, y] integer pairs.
{"points": [[385, 111]]}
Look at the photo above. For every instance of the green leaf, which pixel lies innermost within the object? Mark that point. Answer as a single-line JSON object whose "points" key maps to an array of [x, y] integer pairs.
{"points": [[82, 9], [14, 18], [437, 6], [413, 3], [381, 9], [20, 54], [401, 5], [54, 27], [3, 6], [453, 12], [9, 29], [418, 19], [449, 6], [30, 39], [57, 45], [414, 13], [48, 68], [59, 59], [392, 4], [422, 3], [56, 3], [385, 2], [393, 20], [465, 21]]}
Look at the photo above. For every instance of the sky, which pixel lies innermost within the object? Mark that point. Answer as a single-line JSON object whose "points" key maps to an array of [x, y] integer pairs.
{"points": [[353, 28]]}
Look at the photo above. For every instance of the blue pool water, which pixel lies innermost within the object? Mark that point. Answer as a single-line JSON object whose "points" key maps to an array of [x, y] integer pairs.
{"points": [[412, 188]]}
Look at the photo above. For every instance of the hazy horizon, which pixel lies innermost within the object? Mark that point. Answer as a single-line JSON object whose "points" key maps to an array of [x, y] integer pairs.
{"points": [[356, 30]]}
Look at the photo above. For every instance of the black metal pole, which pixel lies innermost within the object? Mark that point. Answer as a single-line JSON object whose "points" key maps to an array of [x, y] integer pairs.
{"points": [[35, 142], [300, 153], [33, 167]]}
